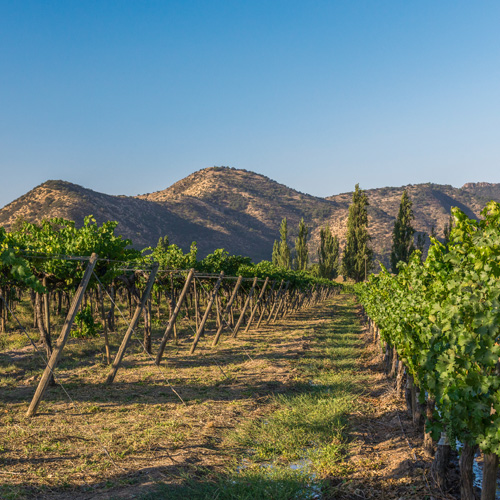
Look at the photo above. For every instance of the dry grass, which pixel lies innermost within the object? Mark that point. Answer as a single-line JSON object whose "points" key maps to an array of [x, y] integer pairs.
{"points": [[112, 434]]}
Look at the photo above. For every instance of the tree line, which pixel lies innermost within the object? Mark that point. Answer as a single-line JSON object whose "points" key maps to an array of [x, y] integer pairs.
{"points": [[356, 260], [357, 255]]}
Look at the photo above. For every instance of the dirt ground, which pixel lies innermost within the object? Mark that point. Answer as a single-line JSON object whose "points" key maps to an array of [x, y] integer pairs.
{"points": [[386, 453], [118, 441]]}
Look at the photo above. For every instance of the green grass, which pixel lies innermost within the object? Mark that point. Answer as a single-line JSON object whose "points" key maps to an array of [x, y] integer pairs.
{"points": [[291, 428], [304, 439]]}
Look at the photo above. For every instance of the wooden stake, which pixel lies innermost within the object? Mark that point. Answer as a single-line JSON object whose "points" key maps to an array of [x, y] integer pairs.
{"points": [[227, 310], [242, 315], [121, 352], [196, 308], [104, 326], [440, 463], [283, 296], [46, 307], [264, 308], [218, 306], [428, 441], [63, 337], [173, 317], [490, 469], [466, 462], [147, 325], [275, 301], [207, 311], [261, 294]]}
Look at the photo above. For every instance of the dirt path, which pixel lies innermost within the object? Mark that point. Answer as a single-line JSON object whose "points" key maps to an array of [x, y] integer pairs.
{"points": [[386, 451]]}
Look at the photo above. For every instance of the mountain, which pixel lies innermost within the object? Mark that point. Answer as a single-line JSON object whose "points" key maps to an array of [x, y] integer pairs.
{"points": [[241, 211], [431, 206], [216, 207]]}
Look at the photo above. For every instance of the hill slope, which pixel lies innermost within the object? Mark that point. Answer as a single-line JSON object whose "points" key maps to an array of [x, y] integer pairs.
{"points": [[431, 206], [241, 211], [216, 207]]}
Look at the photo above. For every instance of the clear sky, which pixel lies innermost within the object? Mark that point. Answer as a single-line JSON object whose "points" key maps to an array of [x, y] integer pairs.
{"points": [[127, 97]]}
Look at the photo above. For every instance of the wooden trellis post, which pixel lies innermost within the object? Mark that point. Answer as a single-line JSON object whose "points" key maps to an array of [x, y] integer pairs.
{"points": [[254, 310], [275, 301], [205, 316], [289, 303], [46, 307], [104, 325], [172, 319], [227, 310], [266, 303], [123, 347], [63, 337], [309, 299], [242, 315], [283, 296], [196, 308]]}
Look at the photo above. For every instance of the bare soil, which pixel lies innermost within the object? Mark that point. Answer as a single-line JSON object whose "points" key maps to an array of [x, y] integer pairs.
{"points": [[386, 452]]}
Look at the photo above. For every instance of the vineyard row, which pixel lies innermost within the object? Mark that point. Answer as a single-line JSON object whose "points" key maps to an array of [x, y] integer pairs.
{"points": [[439, 322]]}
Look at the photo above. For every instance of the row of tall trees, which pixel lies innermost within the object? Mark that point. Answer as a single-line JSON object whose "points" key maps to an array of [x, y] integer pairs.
{"points": [[357, 257], [328, 251]]}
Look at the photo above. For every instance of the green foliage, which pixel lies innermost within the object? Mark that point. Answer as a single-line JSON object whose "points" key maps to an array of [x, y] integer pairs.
{"points": [[47, 244], [281, 250], [301, 249], [171, 256], [443, 318], [86, 327], [328, 254], [402, 235], [14, 269], [220, 260], [357, 253], [163, 243], [447, 231], [297, 279], [420, 242], [51, 245]]}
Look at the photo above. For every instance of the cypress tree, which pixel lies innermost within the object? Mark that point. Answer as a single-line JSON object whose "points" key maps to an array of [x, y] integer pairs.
{"points": [[328, 254], [402, 234], [447, 231], [281, 250], [276, 252], [163, 243], [301, 249], [357, 253], [420, 244]]}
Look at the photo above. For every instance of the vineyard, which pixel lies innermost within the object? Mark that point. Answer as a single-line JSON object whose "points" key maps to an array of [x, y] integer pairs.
{"points": [[128, 369], [125, 319], [439, 323]]}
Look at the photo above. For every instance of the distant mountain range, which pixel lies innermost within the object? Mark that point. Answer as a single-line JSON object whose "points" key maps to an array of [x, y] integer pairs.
{"points": [[221, 207]]}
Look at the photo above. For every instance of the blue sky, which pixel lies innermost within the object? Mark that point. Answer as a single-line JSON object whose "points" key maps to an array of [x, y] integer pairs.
{"points": [[127, 97]]}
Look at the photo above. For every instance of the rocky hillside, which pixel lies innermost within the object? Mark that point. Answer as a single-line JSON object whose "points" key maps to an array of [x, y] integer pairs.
{"points": [[240, 210], [431, 205]]}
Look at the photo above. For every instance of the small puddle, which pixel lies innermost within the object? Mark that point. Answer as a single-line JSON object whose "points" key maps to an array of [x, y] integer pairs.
{"points": [[313, 489]]}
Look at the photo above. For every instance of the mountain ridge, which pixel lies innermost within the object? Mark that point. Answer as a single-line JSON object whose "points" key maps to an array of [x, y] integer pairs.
{"points": [[241, 210]]}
